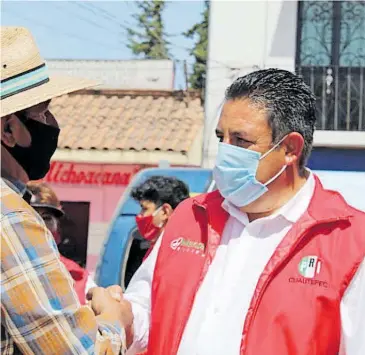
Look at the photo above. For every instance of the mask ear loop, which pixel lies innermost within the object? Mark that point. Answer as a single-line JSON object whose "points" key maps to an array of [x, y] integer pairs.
{"points": [[157, 210], [276, 175], [155, 213], [274, 147], [282, 169]]}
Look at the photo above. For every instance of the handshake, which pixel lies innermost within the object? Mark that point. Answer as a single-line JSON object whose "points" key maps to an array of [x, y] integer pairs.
{"points": [[109, 305]]}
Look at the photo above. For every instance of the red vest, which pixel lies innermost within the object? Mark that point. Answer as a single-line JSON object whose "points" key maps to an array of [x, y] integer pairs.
{"points": [[79, 276], [296, 305]]}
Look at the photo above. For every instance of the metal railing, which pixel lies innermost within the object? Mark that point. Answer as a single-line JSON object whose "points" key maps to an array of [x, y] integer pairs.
{"points": [[340, 95]]}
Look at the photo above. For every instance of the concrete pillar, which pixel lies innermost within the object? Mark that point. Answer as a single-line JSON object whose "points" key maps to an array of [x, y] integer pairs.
{"points": [[244, 36]]}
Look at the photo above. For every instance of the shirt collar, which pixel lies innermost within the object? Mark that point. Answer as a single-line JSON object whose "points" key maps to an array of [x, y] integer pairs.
{"points": [[291, 211], [17, 186]]}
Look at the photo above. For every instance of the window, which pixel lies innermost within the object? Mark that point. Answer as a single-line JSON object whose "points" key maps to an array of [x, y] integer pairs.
{"points": [[331, 58]]}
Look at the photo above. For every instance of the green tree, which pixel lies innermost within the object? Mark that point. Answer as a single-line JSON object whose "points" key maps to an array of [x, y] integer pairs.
{"points": [[200, 49], [149, 41]]}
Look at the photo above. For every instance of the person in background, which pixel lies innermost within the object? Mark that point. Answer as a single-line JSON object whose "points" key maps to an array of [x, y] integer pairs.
{"points": [[40, 312], [158, 197], [46, 203]]}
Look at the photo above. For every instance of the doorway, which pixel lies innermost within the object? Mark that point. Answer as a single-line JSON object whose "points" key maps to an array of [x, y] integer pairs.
{"points": [[75, 231]]}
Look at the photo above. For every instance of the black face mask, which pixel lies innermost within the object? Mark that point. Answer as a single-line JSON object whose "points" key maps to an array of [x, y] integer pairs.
{"points": [[35, 159]]}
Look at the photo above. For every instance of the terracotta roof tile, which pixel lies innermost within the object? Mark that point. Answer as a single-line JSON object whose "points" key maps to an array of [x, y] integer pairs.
{"points": [[106, 120]]}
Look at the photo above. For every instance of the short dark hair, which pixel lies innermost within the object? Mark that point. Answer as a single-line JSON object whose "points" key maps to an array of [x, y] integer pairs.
{"points": [[160, 190], [290, 103]]}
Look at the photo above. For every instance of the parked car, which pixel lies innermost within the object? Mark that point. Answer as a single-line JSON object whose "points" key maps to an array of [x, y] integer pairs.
{"points": [[124, 248]]}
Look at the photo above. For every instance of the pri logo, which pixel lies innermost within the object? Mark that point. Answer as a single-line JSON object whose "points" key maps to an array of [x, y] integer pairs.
{"points": [[309, 266]]}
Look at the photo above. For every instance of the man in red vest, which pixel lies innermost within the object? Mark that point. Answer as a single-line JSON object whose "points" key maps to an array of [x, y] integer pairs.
{"points": [[271, 262]]}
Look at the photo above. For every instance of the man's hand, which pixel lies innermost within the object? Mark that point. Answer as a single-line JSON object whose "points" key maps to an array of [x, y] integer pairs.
{"points": [[117, 293], [100, 300], [106, 307]]}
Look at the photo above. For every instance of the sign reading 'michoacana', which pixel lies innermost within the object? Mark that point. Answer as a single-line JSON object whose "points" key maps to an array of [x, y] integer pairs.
{"points": [[90, 174]]}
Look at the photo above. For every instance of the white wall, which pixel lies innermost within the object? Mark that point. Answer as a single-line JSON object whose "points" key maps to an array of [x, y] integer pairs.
{"points": [[119, 74], [244, 36]]}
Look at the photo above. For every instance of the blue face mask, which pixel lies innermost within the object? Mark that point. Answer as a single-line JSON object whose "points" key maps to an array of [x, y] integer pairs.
{"points": [[235, 174]]}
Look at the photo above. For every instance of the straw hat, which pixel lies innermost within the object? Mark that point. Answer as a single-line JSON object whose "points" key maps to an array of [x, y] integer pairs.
{"points": [[25, 81]]}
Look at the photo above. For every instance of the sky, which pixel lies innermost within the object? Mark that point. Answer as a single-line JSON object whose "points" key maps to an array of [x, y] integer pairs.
{"points": [[96, 29]]}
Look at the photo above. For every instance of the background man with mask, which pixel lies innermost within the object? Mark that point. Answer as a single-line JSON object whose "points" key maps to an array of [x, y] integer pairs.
{"points": [[40, 312], [158, 197], [271, 263]]}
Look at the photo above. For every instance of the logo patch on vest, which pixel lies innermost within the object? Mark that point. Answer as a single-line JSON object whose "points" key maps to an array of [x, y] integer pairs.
{"points": [[309, 266], [189, 246]]}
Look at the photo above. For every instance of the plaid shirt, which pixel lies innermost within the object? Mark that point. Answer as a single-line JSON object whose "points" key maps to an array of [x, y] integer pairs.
{"points": [[40, 311]]}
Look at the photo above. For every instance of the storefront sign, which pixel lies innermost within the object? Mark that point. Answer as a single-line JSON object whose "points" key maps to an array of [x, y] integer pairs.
{"points": [[91, 174]]}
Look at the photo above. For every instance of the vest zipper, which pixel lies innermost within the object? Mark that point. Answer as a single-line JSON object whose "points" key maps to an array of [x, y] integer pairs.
{"points": [[206, 263]]}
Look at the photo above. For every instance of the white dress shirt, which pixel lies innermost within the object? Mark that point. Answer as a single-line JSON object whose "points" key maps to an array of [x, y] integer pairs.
{"points": [[216, 321], [90, 283]]}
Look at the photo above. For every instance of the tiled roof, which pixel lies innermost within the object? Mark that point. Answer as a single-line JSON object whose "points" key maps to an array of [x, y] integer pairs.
{"points": [[121, 120]]}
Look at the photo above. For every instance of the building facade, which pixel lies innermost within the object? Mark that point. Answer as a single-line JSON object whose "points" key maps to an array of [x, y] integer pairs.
{"points": [[324, 41], [107, 136], [119, 74]]}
